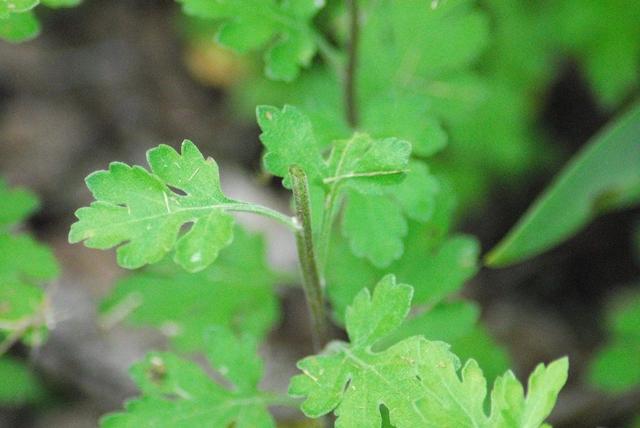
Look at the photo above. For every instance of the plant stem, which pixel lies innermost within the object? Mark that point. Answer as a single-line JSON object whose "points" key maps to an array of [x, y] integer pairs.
{"points": [[350, 96], [261, 210], [306, 255]]}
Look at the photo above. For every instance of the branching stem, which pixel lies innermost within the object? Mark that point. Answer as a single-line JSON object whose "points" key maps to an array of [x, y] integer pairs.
{"points": [[306, 255], [350, 95]]}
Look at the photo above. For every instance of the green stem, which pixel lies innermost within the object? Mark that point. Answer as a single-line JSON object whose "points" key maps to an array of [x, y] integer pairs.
{"points": [[267, 212], [306, 255]]}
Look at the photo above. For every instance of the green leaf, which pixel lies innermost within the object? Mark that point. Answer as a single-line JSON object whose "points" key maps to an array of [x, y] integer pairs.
{"points": [[416, 380], [24, 265], [177, 393], [236, 292], [140, 209], [19, 386], [18, 27], [602, 37], [604, 176], [615, 367], [22, 258], [17, 204], [415, 50], [366, 165], [375, 227], [251, 24], [288, 138], [511, 407], [437, 266]]}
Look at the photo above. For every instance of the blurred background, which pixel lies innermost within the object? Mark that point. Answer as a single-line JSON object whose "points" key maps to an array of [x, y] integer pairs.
{"points": [[110, 79]]}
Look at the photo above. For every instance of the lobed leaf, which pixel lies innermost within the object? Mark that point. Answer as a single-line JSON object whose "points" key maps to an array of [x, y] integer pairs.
{"points": [[139, 210], [417, 382], [288, 138], [177, 393]]}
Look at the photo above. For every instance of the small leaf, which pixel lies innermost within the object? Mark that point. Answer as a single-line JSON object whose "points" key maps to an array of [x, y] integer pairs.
{"points": [[510, 407], [604, 176], [177, 393], [289, 140], [369, 319], [140, 210]]}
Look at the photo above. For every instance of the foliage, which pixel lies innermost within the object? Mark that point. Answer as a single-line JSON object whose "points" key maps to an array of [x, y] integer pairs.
{"points": [[17, 20], [148, 208], [615, 367], [379, 194], [237, 292], [603, 37], [415, 379], [605, 176], [24, 265], [365, 171], [178, 393], [250, 24]]}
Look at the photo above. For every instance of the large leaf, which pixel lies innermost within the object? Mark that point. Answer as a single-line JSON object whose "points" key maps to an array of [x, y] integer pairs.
{"points": [[177, 393], [604, 176], [141, 210], [416, 380]]}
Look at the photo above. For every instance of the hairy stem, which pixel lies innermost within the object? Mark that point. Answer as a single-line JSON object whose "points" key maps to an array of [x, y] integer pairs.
{"points": [[306, 255], [350, 96]]}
